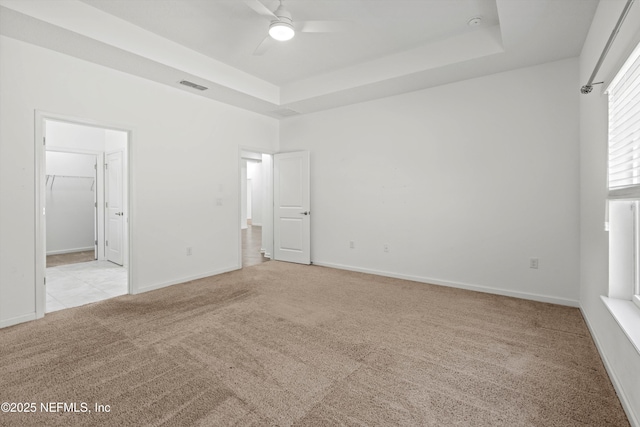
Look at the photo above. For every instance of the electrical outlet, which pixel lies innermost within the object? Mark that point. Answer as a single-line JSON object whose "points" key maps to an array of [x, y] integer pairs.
{"points": [[385, 247], [352, 244], [533, 263], [189, 251]]}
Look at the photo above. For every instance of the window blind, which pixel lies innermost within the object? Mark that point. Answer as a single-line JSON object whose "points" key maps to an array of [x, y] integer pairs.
{"points": [[624, 132]]}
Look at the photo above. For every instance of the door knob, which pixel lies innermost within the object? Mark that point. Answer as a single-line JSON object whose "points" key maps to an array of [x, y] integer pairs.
{"points": [[119, 213], [305, 213]]}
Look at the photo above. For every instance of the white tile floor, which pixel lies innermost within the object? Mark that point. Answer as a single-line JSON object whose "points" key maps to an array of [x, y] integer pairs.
{"points": [[73, 285]]}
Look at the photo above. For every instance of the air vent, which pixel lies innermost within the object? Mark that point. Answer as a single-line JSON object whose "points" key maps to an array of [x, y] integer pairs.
{"points": [[286, 112], [193, 85]]}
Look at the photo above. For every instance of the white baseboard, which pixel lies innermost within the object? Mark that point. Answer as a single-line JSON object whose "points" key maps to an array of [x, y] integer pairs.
{"points": [[182, 280], [70, 251], [18, 319], [624, 400], [477, 288]]}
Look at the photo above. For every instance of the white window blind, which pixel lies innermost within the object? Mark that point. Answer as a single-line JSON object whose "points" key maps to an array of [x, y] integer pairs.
{"points": [[624, 131]]}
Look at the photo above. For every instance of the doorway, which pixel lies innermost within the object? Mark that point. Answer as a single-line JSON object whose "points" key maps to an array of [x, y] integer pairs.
{"points": [[83, 232], [255, 222]]}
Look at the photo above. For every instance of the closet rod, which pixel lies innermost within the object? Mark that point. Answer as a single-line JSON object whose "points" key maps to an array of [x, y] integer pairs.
{"points": [[53, 179], [589, 86]]}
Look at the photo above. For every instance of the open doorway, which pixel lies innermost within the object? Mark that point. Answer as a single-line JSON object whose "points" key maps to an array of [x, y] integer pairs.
{"points": [[85, 228], [255, 199]]}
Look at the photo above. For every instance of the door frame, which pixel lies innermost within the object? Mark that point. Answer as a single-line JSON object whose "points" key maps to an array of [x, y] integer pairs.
{"points": [[40, 202], [267, 242]]}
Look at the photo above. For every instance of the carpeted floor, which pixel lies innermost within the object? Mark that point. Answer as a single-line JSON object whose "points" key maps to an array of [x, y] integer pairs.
{"points": [[283, 344], [70, 258]]}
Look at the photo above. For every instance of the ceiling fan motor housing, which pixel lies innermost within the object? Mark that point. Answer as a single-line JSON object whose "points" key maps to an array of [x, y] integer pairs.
{"points": [[283, 14], [282, 29]]}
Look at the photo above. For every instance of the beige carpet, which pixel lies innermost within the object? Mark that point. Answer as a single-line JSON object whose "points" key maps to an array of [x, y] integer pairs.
{"points": [[282, 344], [70, 258]]}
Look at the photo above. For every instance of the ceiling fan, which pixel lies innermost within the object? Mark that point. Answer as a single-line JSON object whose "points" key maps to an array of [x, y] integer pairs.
{"points": [[283, 28]]}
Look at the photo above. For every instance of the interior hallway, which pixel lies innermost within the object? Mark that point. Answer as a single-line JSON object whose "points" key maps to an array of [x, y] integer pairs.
{"points": [[251, 245]]}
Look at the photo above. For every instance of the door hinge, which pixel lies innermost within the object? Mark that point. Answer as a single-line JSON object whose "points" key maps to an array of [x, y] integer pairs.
{"points": [[106, 204], [44, 140], [95, 242], [45, 281], [95, 166], [107, 243], [95, 204], [106, 165]]}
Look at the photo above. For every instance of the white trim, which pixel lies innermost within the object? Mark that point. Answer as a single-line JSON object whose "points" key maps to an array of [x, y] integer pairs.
{"points": [[184, 280], [631, 192], [249, 149], [636, 300], [40, 202], [627, 315], [18, 319], [470, 287], [619, 71], [70, 251], [624, 400]]}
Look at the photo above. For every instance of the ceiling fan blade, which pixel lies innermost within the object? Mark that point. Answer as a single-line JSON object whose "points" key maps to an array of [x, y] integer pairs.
{"points": [[323, 26], [263, 46], [260, 9]]}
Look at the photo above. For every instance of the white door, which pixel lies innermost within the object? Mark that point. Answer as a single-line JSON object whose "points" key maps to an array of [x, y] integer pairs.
{"points": [[292, 213], [114, 212]]}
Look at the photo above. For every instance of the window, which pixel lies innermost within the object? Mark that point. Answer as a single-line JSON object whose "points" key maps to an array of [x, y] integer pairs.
{"points": [[624, 181]]}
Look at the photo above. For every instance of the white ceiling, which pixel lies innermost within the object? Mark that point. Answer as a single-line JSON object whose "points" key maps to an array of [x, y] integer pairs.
{"points": [[392, 47]]}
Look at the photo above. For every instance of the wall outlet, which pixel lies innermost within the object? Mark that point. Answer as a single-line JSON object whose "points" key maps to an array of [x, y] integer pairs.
{"points": [[189, 251], [385, 247], [533, 263], [352, 244]]}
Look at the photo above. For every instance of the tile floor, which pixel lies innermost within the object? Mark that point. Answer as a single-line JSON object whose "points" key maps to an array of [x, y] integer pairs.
{"points": [[73, 285]]}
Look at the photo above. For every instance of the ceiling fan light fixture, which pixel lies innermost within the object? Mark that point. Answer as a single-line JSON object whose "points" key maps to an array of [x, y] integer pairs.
{"points": [[281, 31]]}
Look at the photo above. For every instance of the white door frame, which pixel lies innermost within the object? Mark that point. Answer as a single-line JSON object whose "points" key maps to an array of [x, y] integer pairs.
{"points": [[40, 199], [267, 238]]}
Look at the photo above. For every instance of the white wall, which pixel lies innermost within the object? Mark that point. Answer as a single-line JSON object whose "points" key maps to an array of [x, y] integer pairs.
{"points": [[182, 146], [267, 211], [243, 194], [621, 358], [70, 202], [254, 174], [464, 182], [65, 135]]}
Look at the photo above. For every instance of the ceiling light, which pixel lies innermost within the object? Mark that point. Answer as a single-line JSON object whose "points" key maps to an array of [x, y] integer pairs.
{"points": [[281, 31]]}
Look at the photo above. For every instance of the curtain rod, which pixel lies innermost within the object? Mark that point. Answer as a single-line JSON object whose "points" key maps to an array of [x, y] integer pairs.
{"points": [[589, 86]]}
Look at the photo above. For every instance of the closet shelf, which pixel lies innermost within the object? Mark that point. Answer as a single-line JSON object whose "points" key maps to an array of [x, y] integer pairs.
{"points": [[53, 179]]}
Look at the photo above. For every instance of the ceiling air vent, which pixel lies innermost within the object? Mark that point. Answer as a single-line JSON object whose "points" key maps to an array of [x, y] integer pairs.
{"points": [[286, 112], [193, 85]]}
